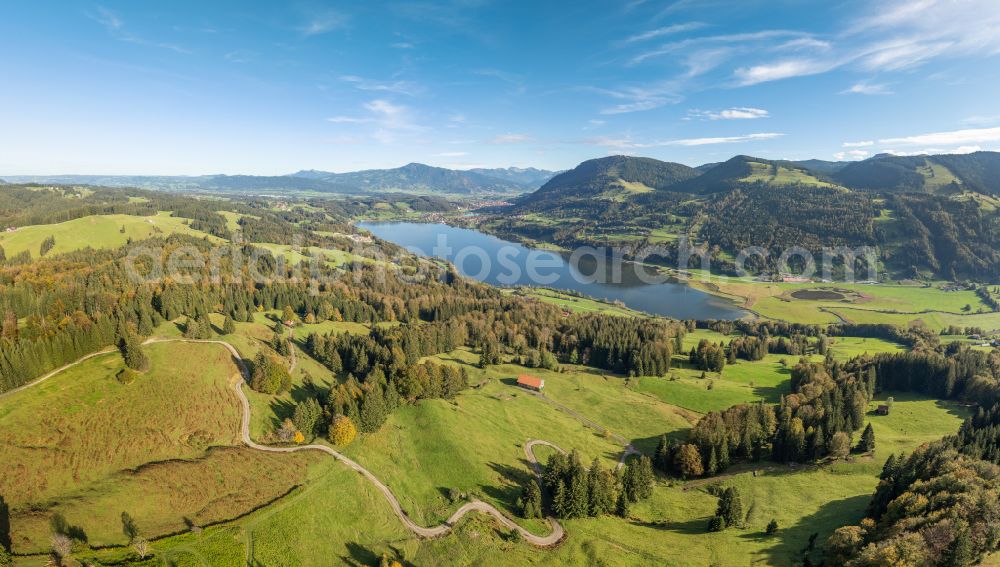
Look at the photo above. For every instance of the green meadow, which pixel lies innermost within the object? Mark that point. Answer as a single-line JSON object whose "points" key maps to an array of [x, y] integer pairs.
{"points": [[96, 231]]}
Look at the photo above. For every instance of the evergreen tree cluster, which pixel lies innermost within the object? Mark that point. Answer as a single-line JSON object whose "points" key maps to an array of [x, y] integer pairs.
{"points": [[827, 404], [708, 356], [576, 491]]}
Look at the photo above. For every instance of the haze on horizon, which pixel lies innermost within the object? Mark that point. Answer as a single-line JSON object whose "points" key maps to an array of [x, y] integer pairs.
{"points": [[112, 87]]}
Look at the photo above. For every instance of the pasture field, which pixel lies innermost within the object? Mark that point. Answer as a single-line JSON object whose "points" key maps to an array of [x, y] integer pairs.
{"points": [[294, 256], [162, 448], [575, 303], [472, 445], [96, 231], [269, 411], [898, 304]]}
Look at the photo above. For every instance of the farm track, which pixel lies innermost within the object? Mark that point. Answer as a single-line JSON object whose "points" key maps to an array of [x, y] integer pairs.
{"points": [[555, 536]]}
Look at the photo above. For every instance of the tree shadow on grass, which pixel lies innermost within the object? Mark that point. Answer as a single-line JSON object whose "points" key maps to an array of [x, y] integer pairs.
{"points": [[361, 556], [695, 526], [281, 410], [790, 541], [771, 394], [5, 540], [513, 479]]}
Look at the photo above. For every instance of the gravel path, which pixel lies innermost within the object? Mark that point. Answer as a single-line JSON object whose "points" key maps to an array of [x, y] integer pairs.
{"points": [[555, 536]]}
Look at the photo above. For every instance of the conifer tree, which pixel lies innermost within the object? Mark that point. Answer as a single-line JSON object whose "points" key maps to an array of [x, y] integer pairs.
{"points": [[128, 345], [228, 326], [307, 415], [622, 507], [867, 443], [730, 507], [531, 500]]}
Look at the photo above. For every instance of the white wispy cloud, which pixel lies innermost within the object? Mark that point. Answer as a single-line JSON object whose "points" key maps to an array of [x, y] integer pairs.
{"points": [[511, 139], [401, 87], [348, 120], [323, 22], [982, 120], [108, 19], [893, 36], [617, 143], [402, 45], [722, 140], [451, 154], [861, 144], [693, 45], [955, 137], [239, 56], [115, 26], [627, 143], [866, 88], [851, 155], [666, 30], [387, 121], [638, 98], [931, 151], [786, 69], [734, 113]]}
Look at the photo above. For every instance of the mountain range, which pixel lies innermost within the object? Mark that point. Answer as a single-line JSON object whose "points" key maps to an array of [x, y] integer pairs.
{"points": [[615, 178], [410, 178], [612, 178]]}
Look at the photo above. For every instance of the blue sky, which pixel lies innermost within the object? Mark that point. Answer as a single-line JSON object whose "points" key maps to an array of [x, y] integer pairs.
{"points": [[269, 88]]}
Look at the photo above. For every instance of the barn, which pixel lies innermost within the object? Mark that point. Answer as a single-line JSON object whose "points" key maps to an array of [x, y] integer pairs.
{"points": [[530, 382]]}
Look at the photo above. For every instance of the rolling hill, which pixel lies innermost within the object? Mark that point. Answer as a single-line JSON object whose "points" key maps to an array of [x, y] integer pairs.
{"points": [[530, 177], [746, 169], [930, 215], [411, 178], [611, 178], [948, 173], [417, 177]]}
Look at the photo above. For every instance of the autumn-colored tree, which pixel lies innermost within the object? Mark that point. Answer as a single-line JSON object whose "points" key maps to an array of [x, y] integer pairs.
{"points": [[141, 547], [269, 375], [342, 431], [687, 461], [288, 316], [62, 547], [840, 445], [9, 325], [286, 432]]}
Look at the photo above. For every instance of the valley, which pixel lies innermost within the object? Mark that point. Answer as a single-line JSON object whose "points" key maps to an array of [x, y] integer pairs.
{"points": [[446, 426]]}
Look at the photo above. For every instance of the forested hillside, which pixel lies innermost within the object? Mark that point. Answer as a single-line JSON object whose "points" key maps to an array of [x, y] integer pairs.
{"points": [[931, 216]]}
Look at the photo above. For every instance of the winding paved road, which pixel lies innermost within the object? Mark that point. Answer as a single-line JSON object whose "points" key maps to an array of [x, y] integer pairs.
{"points": [[552, 538]]}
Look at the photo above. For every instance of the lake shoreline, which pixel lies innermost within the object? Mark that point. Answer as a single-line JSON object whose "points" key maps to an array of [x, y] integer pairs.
{"points": [[671, 298]]}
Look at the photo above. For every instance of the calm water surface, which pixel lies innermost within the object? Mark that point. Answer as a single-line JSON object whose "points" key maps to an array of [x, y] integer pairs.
{"points": [[499, 262]]}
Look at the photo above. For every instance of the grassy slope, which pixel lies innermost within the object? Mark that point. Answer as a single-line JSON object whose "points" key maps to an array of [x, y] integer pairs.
{"points": [[474, 445], [576, 304], [98, 231], [268, 411], [899, 304], [83, 445]]}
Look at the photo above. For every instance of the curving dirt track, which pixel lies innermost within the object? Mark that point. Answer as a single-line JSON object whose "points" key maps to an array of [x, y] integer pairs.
{"points": [[554, 537]]}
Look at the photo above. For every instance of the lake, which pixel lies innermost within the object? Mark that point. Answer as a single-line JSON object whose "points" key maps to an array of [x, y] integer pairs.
{"points": [[502, 263]]}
